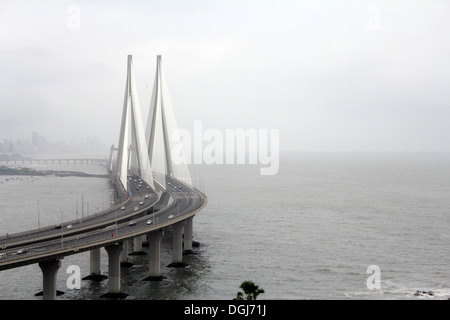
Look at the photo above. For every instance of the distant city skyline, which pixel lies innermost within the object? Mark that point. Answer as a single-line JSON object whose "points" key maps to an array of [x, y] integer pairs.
{"points": [[39, 144]]}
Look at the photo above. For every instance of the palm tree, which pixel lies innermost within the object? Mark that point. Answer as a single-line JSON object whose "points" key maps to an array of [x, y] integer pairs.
{"points": [[250, 289]]}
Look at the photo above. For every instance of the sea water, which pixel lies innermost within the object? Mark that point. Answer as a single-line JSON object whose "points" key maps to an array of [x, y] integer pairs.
{"points": [[315, 230]]}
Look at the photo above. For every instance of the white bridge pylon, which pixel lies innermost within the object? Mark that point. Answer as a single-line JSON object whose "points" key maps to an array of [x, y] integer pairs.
{"points": [[157, 152], [133, 157], [164, 141]]}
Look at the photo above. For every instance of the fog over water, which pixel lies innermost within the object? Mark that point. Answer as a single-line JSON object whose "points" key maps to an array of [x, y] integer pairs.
{"points": [[310, 232], [331, 76]]}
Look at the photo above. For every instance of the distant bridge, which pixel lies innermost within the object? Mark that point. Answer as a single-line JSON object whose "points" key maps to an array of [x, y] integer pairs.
{"points": [[24, 161]]}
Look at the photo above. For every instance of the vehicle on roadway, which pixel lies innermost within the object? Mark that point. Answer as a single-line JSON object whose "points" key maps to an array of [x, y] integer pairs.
{"points": [[23, 250], [122, 208], [132, 223], [171, 216], [149, 222]]}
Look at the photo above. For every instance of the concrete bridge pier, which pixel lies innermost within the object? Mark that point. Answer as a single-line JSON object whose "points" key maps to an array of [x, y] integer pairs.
{"points": [[94, 266], [49, 270], [188, 230], [137, 246], [177, 259], [144, 240], [114, 251], [154, 239], [124, 255]]}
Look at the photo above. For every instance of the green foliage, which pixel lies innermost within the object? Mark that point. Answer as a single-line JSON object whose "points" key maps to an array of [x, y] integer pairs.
{"points": [[251, 290]]}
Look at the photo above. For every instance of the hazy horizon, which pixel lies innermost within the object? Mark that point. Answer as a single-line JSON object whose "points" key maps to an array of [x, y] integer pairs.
{"points": [[348, 76]]}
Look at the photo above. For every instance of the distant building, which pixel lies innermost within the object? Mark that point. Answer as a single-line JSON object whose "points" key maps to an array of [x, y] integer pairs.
{"points": [[5, 146], [35, 138]]}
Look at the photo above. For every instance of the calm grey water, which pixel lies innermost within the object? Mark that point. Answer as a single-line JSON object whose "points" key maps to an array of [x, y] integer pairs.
{"points": [[309, 232]]}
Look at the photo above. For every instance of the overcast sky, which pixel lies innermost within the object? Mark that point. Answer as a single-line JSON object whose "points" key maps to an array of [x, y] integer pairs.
{"points": [[330, 75]]}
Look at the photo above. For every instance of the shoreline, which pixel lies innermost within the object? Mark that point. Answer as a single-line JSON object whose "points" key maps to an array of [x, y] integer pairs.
{"points": [[7, 171]]}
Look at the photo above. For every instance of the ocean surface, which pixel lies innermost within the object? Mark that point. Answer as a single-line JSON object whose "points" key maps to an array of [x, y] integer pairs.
{"points": [[309, 232]]}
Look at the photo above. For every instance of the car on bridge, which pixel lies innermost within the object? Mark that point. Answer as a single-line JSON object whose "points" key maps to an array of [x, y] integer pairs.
{"points": [[132, 223]]}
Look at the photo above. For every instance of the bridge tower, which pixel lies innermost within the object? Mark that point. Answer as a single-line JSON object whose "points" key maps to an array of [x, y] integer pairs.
{"points": [[167, 158], [110, 161], [134, 156], [164, 140]]}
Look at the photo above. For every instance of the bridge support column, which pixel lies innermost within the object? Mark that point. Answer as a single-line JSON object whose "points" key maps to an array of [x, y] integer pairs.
{"points": [[94, 266], [154, 239], [137, 246], [114, 251], [49, 270], [177, 259], [124, 255], [188, 228], [144, 240]]}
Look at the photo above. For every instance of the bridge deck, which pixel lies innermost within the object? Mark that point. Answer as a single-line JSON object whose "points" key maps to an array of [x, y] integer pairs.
{"points": [[187, 201], [95, 221]]}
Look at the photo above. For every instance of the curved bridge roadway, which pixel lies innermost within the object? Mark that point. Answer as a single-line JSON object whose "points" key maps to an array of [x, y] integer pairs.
{"points": [[186, 202], [143, 197]]}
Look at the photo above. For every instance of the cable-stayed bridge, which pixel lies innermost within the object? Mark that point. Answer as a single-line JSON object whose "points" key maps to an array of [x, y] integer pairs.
{"points": [[153, 189]]}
